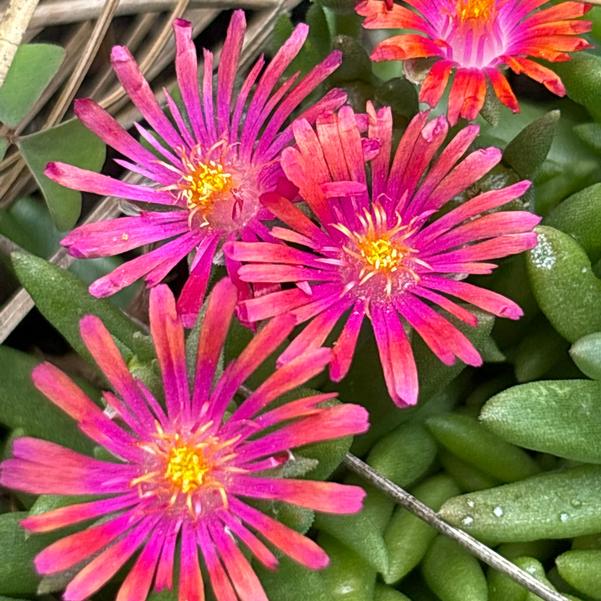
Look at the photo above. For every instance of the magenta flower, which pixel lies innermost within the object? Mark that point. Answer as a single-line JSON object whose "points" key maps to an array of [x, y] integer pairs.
{"points": [[183, 471], [216, 160], [387, 255], [476, 38]]}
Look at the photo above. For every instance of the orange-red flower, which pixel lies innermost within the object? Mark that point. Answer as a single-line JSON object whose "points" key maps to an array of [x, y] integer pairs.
{"points": [[476, 38]]}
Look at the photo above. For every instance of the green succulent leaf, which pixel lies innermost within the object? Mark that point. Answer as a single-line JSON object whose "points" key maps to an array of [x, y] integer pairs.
{"points": [[548, 506], [560, 417], [33, 67], [586, 353], [582, 570], [69, 142], [527, 151], [63, 299], [22, 406], [566, 289]]}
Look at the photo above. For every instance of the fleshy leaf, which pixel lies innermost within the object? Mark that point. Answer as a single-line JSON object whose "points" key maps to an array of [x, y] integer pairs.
{"points": [[586, 353]]}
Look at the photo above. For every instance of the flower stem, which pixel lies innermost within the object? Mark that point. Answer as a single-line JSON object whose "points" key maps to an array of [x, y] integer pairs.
{"points": [[475, 547]]}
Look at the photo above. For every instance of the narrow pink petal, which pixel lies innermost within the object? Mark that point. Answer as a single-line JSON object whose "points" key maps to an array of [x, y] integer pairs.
{"points": [[215, 326], [317, 75], [110, 131], [405, 46], [207, 93], [71, 550], [448, 305], [486, 201], [502, 89], [164, 258], [228, 66], [81, 512], [396, 356], [315, 333], [164, 575], [270, 305], [168, 337], [239, 570], [326, 126], [242, 97], [330, 423], [270, 273], [256, 352], [96, 183], [219, 579], [435, 83], [295, 545], [116, 236], [457, 95], [139, 91], [255, 546], [186, 68], [104, 566], [103, 349], [138, 582], [537, 72], [192, 295], [379, 16], [344, 348], [268, 252], [443, 338], [380, 128], [283, 209], [480, 297], [329, 497], [191, 587], [291, 375]]}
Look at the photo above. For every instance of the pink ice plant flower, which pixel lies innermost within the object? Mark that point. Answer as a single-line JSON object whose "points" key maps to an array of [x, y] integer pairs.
{"points": [[213, 163], [476, 39], [382, 250], [184, 470]]}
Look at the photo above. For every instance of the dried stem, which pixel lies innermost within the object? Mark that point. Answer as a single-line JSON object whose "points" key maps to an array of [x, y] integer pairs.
{"points": [[12, 29], [475, 547]]}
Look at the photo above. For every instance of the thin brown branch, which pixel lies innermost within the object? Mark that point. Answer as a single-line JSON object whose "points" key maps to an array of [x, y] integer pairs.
{"points": [[70, 11], [475, 547]]}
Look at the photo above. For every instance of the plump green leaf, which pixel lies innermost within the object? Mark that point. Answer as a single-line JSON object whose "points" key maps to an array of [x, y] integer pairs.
{"points": [[590, 134], [404, 455], [539, 350], [356, 64], [63, 300], [386, 593], [582, 79], [292, 582], [551, 505], [560, 417], [582, 570], [22, 406], [33, 66], [17, 572], [348, 577], [71, 143], [319, 31], [452, 573], [567, 291], [526, 152], [586, 354], [408, 537], [470, 441], [400, 94], [468, 477], [579, 215]]}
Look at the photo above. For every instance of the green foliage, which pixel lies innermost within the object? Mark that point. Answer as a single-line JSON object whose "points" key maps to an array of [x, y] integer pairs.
{"points": [[586, 353], [22, 406], [582, 569], [69, 142], [565, 287], [534, 416], [446, 558], [551, 505], [32, 69], [47, 285]]}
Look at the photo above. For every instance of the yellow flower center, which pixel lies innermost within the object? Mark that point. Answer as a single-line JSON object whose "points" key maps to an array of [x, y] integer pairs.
{"points": [[203, 183], [186, 468], [382, 254], [479, 10]]}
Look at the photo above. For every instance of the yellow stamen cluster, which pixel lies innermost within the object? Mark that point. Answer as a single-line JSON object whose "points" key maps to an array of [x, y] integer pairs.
{"points": [[186, 468], [203, 183], [382, 254], [479, 10]]}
